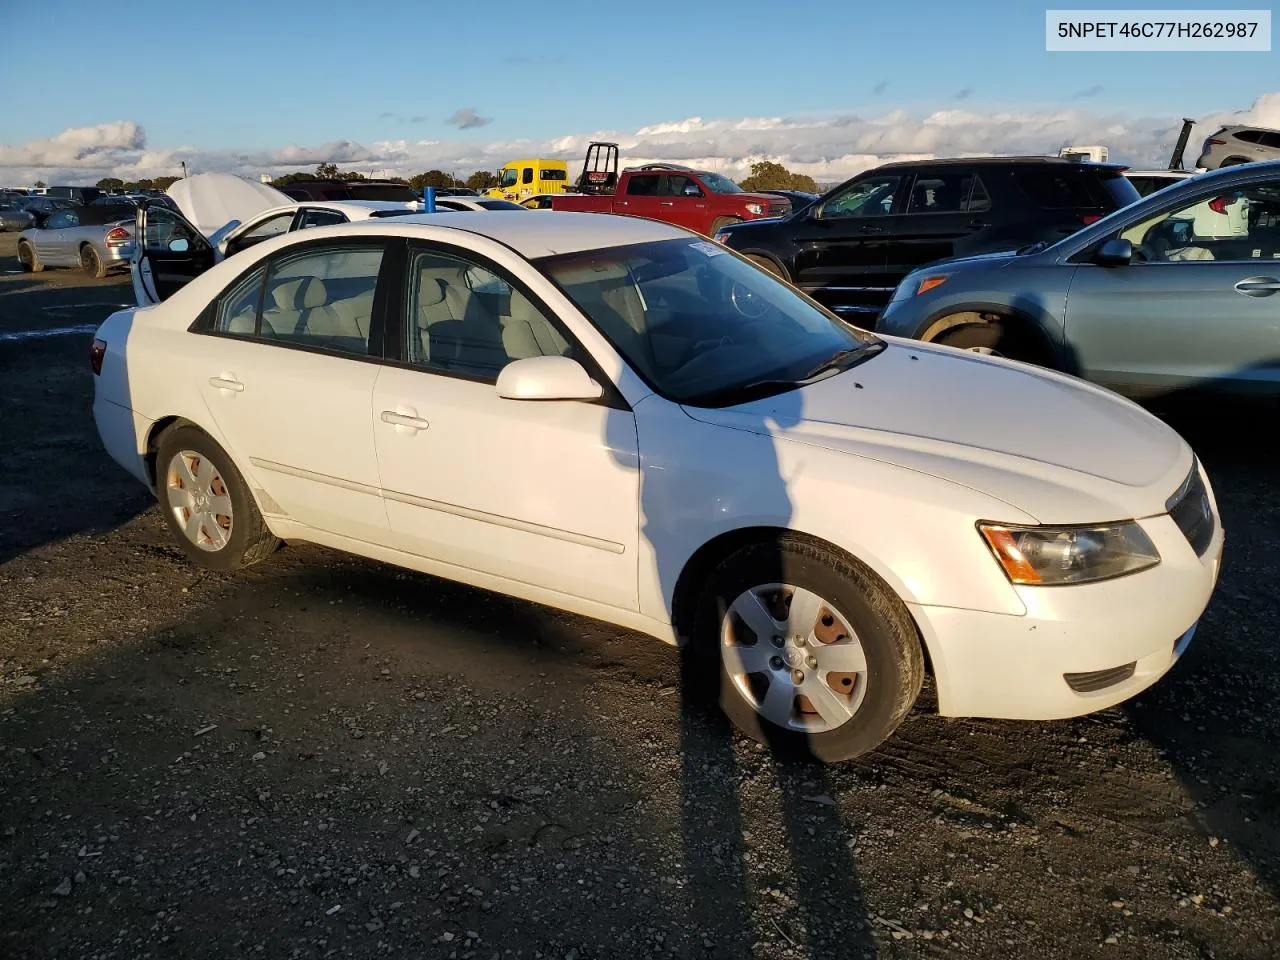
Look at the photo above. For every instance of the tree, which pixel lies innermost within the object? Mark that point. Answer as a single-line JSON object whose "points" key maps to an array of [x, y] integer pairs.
{"points": [[767, 175], [146, 183], [41, 184], [482, 180], [327, 171], [110, 183], [164, 183], [432, 178]]}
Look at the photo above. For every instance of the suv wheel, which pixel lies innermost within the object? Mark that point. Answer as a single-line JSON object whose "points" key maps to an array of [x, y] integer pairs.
{"points": [[991, 335]]}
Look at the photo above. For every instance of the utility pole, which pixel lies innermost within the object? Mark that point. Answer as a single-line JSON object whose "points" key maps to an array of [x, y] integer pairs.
{"points": [[184, 169]]}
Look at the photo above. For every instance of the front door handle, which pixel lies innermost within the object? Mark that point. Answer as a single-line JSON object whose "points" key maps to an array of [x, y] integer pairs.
{"points": [[227, 383], [668, 203], [397, 419], [871, 228], [1258, 286]]}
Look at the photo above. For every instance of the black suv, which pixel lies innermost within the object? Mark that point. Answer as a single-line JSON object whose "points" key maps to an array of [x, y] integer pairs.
{"points": [[349, 190], [849, 249]]}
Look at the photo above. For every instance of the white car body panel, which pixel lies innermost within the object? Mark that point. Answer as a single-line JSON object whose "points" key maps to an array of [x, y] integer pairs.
{"points": [[211, 200], [597, 510]]}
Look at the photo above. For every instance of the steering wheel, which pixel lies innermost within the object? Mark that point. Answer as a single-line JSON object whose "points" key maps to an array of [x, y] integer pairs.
{"points": [[747, 302]]}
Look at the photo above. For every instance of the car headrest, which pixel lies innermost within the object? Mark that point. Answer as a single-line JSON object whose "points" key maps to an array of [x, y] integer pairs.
{"points": [[301, 294]]}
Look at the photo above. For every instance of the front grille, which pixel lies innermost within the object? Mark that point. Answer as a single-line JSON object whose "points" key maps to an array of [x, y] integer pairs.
{"points": [[779, 209], [1099, 679], [1192, 512]]}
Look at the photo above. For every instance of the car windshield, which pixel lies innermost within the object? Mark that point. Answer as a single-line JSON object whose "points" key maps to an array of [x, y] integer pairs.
{"points": [[509, 177], [718, 184], [703, 326]]}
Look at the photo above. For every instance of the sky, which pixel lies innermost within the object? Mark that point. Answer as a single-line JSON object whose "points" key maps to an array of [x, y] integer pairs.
{"points": [[828, 87]]}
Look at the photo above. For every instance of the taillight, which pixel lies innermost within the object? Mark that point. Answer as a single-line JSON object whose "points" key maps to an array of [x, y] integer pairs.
{"points": [[118, 237], [1089, 218], [96, 353], [1220, 204], [1214, 141]]}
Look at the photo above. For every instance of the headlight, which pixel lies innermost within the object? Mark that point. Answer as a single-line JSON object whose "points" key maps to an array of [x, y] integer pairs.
{"points": [[756, 208], [1052, 556]]}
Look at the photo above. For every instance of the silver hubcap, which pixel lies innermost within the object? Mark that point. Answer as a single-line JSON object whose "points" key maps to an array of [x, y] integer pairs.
{"points": [[199, 500], [794, 658]]}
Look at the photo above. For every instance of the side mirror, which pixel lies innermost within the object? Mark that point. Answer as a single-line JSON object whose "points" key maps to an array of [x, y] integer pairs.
{"points": [[179, 245], [1116, 252], [547, 378]]}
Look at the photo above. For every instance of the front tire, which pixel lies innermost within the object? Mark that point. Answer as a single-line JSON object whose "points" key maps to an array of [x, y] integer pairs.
{"points": [[719, 222], [91, 263], [27, 258], [764, 263], [993, 336], [815, 655], [207, 503]]}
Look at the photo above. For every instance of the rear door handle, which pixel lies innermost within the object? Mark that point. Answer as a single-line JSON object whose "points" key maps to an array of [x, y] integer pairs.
{"points": [[398, 419], [979, 224], [1258, 286], [668, 203], [871, 228], [227, 383]]}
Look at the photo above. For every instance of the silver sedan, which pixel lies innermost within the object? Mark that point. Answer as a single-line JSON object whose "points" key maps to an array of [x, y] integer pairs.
{"points": [[95, 239]]}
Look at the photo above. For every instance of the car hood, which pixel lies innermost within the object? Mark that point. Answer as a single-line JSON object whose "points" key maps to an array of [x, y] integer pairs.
{"points": [[211, 201], [1054, 447]]}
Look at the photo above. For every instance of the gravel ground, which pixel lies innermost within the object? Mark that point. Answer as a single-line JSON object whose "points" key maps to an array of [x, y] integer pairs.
{"points": [[325, 756]]}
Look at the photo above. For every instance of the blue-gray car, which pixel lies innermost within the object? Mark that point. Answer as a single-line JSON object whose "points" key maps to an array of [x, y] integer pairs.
{"points": [[97, 239], [1176, 292]]}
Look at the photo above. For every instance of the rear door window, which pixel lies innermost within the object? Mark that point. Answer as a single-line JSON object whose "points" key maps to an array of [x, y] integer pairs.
{"points": [[643, 185]]}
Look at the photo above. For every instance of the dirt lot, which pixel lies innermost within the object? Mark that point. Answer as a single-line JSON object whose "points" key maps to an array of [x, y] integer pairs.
{"points": [[329, 757]]}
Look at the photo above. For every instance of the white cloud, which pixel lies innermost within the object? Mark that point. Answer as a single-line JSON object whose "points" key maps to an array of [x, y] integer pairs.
{"points": [[828, 148]]}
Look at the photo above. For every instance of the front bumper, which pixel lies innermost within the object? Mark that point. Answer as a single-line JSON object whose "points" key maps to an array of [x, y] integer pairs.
{"points": [[1132, 629]]}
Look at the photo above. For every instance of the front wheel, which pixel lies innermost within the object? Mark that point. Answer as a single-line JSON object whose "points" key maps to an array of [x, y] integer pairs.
{"points": [[816, 656], [720, 222], [764, 263], [27, 258], [207, 503]]}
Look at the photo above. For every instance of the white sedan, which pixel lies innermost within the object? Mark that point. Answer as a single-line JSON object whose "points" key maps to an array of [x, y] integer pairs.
{"points": [[618, 418]]}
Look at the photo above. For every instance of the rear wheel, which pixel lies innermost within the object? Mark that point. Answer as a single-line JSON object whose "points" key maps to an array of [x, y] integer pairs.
{"points": [[27, 258], [91, 263], [1233, 162], [207, 503], [815, 655]]}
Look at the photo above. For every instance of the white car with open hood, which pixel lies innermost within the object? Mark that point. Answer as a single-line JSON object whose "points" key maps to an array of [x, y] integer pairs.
{"points": [[619, 418], [220, 214]]}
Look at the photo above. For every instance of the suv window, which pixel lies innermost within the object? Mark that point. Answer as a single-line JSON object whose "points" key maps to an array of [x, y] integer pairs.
{"points": [[321, 298], [1238, 225], [872, 197], [943, 193], [1249, 136], [268, 228], [1270, 139], [466, 320], [643, 185], [1056, 190]]}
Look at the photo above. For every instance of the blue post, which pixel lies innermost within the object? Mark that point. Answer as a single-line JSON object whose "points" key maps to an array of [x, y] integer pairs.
{"points": [[429, 197]]}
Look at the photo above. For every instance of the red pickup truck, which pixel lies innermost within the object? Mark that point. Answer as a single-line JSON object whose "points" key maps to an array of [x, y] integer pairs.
{"points": [[695, 199]]}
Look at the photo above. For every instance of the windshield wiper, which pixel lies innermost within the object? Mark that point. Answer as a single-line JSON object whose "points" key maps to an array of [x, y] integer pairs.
{"points": [[840, 360]]}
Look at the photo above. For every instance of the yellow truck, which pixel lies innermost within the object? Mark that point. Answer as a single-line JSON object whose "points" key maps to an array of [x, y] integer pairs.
{"points": [[521, 179]]}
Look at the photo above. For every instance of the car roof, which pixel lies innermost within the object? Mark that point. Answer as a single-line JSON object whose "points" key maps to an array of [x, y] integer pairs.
{"points": [[1001, 161], [358, 209], [531, 237], [1180, 174]]}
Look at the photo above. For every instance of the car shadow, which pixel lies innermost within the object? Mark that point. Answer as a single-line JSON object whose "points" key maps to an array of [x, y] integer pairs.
{"points": [[717, 763]]}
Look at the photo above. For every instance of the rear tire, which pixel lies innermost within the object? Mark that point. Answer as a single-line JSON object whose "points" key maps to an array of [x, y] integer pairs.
{"points": [[837, 677], [91, 263], [27, 258], [719, 222], [207, 503], [1233, 162]]}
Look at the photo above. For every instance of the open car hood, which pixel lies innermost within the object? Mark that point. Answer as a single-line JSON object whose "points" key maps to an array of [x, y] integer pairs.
{"points": [[213, 201]]}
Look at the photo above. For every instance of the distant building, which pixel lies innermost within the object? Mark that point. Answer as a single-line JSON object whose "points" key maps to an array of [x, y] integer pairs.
{"points": [[264, 178]]}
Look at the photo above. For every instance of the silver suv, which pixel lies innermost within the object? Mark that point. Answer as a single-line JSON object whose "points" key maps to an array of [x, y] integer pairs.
{"points": [[1232, 145]]}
